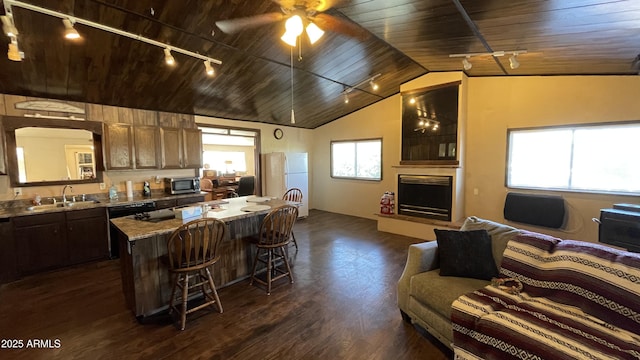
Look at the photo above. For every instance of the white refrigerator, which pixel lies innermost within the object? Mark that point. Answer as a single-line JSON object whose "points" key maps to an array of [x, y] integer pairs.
{"points": [[283, 171]]}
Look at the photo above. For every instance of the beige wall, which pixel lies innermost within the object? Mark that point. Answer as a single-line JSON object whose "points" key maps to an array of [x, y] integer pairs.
{"points": [[495, 103]]}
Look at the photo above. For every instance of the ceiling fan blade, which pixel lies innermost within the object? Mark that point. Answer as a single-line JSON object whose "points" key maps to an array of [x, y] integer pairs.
{"points": [[332, 23], [232, 26], [322, 5]]}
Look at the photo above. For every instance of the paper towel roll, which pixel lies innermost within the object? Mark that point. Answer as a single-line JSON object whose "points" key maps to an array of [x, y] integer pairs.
{"points": [[129, 190]]}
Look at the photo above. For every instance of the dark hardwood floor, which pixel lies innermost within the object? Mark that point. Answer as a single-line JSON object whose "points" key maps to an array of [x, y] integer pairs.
{"points": [[341, 306]]}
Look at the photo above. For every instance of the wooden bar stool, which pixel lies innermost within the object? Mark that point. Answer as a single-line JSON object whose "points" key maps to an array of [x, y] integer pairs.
{"points": [[293, 194], [274, 236], [192, 249]]}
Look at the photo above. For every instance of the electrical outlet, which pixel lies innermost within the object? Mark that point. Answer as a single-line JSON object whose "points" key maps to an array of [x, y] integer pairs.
{"points": [[17, 191], [103, 186]]}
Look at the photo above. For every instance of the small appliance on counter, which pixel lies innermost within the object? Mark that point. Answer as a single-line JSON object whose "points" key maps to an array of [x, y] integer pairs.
{"points": [[176, 186]]}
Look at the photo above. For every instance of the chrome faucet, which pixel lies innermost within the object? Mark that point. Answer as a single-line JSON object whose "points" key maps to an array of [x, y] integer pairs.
{"points": [[64, 197]]}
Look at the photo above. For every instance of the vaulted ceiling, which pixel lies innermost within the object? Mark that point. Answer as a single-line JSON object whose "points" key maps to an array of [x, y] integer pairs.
{"points": [[406, 39]]}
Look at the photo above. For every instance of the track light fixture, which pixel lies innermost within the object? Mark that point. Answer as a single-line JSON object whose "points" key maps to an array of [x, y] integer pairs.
{"points": [[8, 27], [69, 31], [345, 92], [69, 21], [466, 64], [208, 68], [513, 61], [14, 53], [168, 58]]}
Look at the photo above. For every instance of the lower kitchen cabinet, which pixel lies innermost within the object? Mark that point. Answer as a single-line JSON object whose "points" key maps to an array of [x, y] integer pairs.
{"points": [[87, 235], [55, 240], [8, 265], [40, 242]]}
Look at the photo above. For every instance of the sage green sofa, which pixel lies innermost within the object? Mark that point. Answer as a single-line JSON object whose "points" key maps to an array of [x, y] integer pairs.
{"points": [[425, 297]]}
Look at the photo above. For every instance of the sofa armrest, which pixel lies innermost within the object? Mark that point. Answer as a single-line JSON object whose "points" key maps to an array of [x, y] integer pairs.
{"points": [[421, 257]]}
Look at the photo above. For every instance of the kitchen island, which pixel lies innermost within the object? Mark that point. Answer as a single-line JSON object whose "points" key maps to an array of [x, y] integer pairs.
{"points": [[146, 281]]}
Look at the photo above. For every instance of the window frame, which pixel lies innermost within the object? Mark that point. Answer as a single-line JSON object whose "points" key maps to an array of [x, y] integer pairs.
{"points": [[355, 141], [560, 127]]}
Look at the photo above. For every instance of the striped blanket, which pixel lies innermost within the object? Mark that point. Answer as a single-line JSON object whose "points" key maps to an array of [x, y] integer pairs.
{"points": [[579, 301]]}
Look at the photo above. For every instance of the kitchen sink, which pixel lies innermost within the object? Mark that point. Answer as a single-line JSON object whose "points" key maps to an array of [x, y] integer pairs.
{"points": [[68, 204]]}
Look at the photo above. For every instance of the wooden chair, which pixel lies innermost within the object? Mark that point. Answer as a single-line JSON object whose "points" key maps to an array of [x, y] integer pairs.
{"points": [[293, 194], [192, 249], [271, 242]]}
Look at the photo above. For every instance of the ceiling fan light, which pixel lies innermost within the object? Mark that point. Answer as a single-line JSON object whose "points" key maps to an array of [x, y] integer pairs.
{"points": [[69, 31], [294, 25], [314, 32], [466, 64], [208, 68], [513, 62], [289, 38], [168, 58]]}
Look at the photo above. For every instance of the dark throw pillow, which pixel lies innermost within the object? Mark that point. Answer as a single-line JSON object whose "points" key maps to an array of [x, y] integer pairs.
{"points": [[466, 254]]}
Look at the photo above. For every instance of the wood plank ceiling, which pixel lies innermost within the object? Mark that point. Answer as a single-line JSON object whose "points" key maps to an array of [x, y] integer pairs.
{"points": [[408, 39]]}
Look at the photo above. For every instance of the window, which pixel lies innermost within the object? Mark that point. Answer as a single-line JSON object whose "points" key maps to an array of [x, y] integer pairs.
{"points": [[589, 158], [357, 159]]}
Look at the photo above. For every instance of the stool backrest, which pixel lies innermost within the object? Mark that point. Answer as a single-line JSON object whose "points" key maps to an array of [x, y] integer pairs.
{"points": [[277, 225], [206, 184], [293, 194], [195, 244]]}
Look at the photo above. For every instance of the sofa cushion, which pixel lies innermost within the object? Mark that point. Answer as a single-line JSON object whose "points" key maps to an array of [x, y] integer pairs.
{"points": [[466, 254], [500, 234], [438, 292], [603, 282]]}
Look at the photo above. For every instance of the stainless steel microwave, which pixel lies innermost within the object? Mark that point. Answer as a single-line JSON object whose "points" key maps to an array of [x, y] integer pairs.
{"points": [[181, 185]]}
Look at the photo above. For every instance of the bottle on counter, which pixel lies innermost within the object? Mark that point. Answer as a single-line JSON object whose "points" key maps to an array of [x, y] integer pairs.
{"points": [[113, 192], [146, 189]]}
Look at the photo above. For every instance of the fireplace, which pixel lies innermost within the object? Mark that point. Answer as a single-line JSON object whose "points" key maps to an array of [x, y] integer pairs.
{"points": [[425, 196]]}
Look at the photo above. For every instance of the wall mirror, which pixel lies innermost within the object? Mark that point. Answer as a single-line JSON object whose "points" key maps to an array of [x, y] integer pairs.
{"points": [[44, 151], [430, 125]]}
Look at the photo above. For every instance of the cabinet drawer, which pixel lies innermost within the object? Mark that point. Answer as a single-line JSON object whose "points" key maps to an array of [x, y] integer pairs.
{"points": [[165, 204], [189, 200], [32, 220], [86, 213]]}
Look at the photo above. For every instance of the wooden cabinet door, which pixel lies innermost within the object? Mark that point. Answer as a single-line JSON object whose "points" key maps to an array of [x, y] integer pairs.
{"points": [[170, 148], [118, 147], [87, 235], [165, 204], [189, 200], [8, 265], [192, 146], [146, 146], [40, 242]]}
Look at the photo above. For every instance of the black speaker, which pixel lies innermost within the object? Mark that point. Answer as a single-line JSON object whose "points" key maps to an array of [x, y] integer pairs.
{"points": [[541, 210]]}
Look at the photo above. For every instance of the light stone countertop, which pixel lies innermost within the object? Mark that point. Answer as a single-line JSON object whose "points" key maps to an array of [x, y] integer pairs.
{"points": [[232, 210]]}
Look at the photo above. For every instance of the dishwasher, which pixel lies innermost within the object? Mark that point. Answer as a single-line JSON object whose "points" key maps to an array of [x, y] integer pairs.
{"points": [[126, 209]]}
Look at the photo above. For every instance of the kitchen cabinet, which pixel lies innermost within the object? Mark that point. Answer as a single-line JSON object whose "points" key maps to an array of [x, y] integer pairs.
{"points": [[87, 237], [118, 146], [8, 265], [55, 240], [170, 148], [146, 144], [3, 163], [180, 148], [165, 204], [40, 242], [192, 147], [189, 200]]}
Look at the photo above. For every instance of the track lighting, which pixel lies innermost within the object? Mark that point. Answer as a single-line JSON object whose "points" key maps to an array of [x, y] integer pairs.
{"points": [[466, 64], [208, 68], [9, 28], [69, 31], [513, 62], [14, 53], [371, 82], [168, 58], [513, 59]]}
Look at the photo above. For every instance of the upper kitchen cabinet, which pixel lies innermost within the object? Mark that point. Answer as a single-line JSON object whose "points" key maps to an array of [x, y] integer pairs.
{"points": [[170, 148], [146, 143], [119, 146], [192, 145]]}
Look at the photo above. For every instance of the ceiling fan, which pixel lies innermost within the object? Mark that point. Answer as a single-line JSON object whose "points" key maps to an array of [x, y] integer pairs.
{"points": [[300, 14]]}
